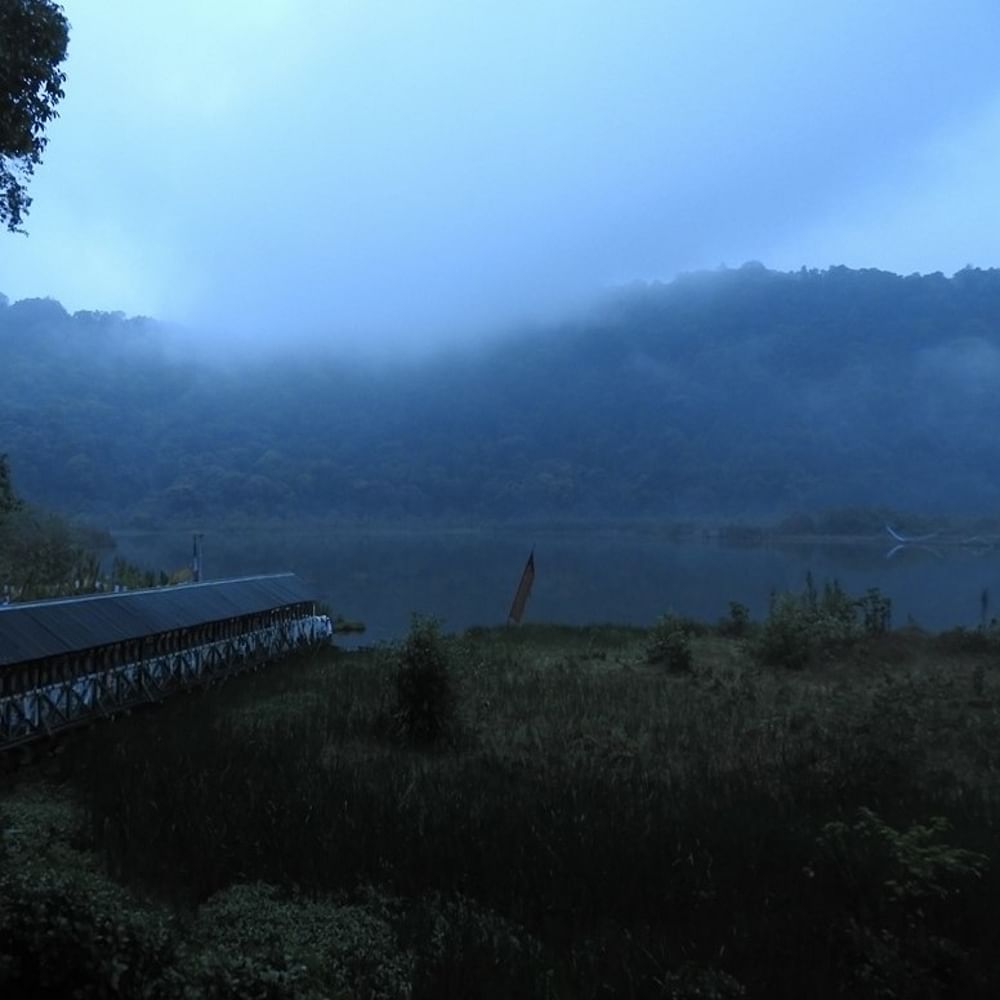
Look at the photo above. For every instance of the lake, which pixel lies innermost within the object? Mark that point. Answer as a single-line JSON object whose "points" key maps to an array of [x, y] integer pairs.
{"points": [[468, 577]]}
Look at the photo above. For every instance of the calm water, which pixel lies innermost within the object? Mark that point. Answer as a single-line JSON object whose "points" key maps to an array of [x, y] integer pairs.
{"points": [[468, 577]]}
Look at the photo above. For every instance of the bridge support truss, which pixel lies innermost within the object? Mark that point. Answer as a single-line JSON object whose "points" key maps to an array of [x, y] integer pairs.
{"points": [[52, 706]]}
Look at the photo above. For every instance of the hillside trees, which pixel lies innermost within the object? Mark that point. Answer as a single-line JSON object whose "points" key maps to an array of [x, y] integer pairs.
{"points": [[43, 554], [732, 392], [33, 39]]}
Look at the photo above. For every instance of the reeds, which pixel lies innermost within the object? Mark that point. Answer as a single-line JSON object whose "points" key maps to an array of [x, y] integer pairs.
{"points": [[642, 826]]}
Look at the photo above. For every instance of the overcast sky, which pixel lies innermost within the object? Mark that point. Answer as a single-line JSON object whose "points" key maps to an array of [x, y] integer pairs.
{"points": [[390, 171]]}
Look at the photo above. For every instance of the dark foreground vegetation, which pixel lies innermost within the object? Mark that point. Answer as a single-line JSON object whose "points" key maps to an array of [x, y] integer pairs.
{"points": [[805, 807]]}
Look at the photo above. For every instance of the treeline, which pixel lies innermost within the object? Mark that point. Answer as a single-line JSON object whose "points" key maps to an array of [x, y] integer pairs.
{"points": [[732, 392], [43, 554]]}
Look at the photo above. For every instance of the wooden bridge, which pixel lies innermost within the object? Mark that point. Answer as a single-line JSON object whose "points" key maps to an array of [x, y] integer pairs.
{"points": [[70, 661]]}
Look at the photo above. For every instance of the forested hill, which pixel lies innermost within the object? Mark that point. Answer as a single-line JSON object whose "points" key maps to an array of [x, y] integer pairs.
{"points": [[737, 391]]}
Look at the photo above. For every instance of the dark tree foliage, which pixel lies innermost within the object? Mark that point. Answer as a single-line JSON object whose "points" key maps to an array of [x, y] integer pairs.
{"points": [[33, 39], [9, 502], [734, 393]]}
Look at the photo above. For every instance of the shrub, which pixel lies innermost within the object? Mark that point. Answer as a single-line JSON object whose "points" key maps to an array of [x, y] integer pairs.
{"points": [[670, 644], [798, 626], [215, 975], [256, 941], [983, 639], [737, 624], [876, 612], [78, 935], [786, 639], [899, 891], [897, 868], [425, 696]]}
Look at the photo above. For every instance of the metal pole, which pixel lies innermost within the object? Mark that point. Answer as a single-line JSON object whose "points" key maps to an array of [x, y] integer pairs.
{"points": [[196, 557]]}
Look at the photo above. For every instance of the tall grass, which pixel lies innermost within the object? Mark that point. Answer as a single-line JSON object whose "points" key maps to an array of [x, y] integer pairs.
{"points": [[642, 826]]}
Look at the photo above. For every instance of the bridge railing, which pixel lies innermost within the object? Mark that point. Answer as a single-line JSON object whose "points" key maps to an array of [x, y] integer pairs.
{"points": [[47, 709]]}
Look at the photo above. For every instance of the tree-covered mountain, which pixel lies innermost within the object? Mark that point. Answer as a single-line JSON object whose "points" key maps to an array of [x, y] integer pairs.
{"points": [[735, 391]]}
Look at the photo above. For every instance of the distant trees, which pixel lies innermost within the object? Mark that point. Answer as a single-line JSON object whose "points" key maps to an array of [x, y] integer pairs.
{"points": [[44, 555], [726, 393], [9, 501], [33, 39]]}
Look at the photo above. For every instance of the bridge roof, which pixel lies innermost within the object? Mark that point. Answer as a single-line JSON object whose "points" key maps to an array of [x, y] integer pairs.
{"points": [[38, 629]]}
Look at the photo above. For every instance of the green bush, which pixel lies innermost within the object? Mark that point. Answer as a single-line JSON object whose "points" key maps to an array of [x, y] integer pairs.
{"points": [[800, 625], [214, 975], [77, 935], [982, 639], [785, 639], [425, 695], [898, 890], [736, 625], [257, 941], [670, 644]]}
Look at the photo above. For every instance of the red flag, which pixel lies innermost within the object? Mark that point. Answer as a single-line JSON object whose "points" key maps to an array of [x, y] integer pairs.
{"points": [[523, 590]]}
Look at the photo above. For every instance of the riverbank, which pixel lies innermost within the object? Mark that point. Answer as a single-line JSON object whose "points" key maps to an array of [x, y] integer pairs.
{"points": [[590, 824]]}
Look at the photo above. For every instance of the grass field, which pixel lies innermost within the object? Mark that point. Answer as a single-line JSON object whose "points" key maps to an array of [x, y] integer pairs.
{"points": [[595, 815]]}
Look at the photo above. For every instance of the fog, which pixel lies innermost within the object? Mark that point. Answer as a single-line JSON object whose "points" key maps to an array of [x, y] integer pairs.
{"points": [[379, 175]]}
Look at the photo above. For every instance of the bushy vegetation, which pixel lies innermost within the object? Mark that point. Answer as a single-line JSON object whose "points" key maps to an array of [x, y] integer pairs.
{"points": [[737, 624], [670, 643], [65, 929], [604, 827], [801, 626], [984, 639], [898, 882], [425, 697]]}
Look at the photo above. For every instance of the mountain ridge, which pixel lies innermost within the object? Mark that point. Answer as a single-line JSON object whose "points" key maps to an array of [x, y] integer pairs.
{"points": [[735, 391]]}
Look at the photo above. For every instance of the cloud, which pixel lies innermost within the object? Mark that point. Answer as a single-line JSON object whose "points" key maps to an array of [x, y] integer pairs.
{"points": [[386, 173], [934, 212], [966, 365]]}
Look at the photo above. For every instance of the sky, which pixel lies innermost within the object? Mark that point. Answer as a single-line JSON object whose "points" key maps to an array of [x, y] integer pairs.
{"points": [[394, 174]]}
